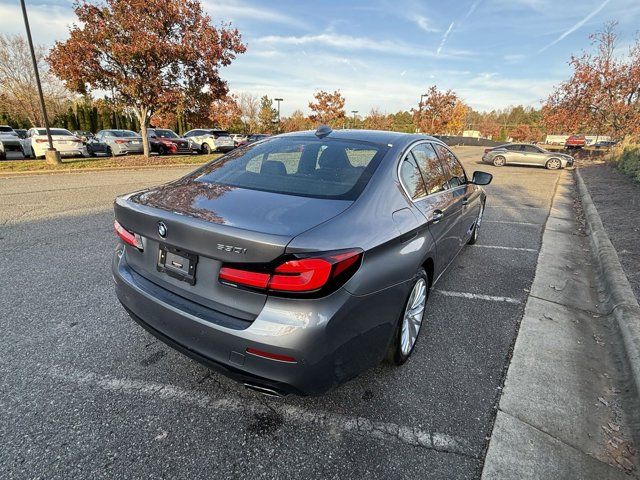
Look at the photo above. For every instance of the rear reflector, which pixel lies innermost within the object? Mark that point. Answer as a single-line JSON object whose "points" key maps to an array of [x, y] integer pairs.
{"points": [[271, 356], [298, 275], [128, 237]]}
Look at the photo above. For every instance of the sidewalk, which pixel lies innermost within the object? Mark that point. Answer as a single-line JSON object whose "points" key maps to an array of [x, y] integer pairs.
{"points": [[562, 411]]}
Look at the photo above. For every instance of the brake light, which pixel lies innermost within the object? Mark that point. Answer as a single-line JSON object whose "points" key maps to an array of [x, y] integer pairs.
{"points": [[42, 140], [128, 237], [244, 277], [487, 150], [299, 275], [121, 141]]}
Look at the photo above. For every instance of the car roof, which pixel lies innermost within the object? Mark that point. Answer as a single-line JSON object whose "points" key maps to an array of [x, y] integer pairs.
{"points": [[371, 136]]}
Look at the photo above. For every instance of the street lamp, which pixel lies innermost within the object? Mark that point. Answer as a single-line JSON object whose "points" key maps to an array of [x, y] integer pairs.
{"points": [[278, 100], [354, 116], [420, 108], [51, 155]]}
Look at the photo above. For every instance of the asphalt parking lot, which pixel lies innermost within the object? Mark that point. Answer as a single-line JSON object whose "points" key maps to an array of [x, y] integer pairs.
{"points": [[85, 392]]}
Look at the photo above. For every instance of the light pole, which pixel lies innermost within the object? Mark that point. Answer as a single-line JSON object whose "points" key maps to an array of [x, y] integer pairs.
{"points": [[278, 100], [354, 117], [420, 108], [51, 155]]}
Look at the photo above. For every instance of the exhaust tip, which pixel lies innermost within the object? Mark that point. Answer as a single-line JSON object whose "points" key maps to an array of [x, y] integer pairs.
{"points": [[269, 392]]}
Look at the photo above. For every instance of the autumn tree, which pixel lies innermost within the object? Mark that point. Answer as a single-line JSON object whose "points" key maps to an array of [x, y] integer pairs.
{"points": [[328, 108], [376, 120], [18, 90], [249, 112], [267, 115], [154, 54], [441, 112], [488, 127], [225, 112], [296, 122], [603, 94], [522, 133]]}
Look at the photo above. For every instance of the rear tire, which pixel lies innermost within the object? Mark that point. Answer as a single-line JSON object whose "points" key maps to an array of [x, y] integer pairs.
{"points": [[553, 164], [162, 150], [499, 161], [206, 149], [410, 321]]}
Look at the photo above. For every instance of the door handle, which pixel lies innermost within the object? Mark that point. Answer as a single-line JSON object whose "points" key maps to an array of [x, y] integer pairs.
{"points": [[437, 216]]}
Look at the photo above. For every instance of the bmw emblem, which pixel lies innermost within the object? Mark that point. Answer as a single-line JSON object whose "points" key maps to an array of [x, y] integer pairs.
{"points": [[162, 229]]}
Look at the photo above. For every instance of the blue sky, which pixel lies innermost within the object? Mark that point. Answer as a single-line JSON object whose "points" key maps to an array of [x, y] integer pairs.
{"points": [[384, 54]]}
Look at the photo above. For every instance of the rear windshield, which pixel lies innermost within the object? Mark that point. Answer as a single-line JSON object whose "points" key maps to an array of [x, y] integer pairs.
{"points": [[6, 129], [122, 133], [54, 131], [319, 168], [219, 133]]}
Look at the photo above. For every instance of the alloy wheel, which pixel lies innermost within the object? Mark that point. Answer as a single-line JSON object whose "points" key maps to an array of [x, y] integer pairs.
{"points": [[499, 161], [412, 320], [554, 164]]}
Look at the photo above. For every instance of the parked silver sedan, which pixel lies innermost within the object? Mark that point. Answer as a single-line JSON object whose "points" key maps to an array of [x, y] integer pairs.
{"points": [[526, 154], [121, 142]]}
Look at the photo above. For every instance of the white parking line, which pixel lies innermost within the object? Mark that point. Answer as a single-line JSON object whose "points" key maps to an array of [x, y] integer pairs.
{"points": [[512, 223], [331, 421], [499, 247], [478, 296]]}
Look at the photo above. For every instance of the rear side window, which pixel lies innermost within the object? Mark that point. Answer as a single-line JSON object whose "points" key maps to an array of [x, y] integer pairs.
{"points": [[431, 168], [455, 172], [310, 167], [411, 178]]}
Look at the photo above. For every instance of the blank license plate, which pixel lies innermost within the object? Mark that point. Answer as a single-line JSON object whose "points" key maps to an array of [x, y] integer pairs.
{"points": [[177, 263]]}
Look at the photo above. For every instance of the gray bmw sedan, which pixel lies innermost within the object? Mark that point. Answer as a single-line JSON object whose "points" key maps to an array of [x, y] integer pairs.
{"points": [[295, 263]]}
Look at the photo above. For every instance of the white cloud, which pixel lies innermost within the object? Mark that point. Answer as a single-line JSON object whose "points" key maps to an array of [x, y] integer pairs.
{"points": [[234, 10], [349, 42], [424, 23], [576, 26], [48, 22]]}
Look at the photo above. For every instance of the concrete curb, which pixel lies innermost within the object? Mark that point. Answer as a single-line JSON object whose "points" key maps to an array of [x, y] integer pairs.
{"points": [[621, 299], [88, 170]]}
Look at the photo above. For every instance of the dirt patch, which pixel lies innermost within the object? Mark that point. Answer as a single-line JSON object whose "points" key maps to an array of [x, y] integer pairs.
{"points": [[617, 199]]}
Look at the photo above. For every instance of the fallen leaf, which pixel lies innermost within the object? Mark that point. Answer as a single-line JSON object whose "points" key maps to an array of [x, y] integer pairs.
{"points": [[603, 401], [614, 427], [161, 436]]}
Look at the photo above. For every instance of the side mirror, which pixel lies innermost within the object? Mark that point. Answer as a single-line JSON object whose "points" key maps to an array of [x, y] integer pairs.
{"points": [[481, 178]]}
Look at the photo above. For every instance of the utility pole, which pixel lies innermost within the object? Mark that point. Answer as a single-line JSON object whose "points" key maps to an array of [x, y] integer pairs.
{"points": [[278, 100], [354, 117], [51, 155]]}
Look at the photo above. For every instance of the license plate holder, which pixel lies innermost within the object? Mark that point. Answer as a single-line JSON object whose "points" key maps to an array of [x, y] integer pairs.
{"points": [[177, 263]]}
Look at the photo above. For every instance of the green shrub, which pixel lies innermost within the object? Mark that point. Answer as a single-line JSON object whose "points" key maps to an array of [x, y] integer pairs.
{"points": [[629, 162]]}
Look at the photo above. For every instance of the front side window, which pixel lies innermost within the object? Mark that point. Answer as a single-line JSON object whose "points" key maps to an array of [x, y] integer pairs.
{"points": [[311, 167], [455, 172], [431, 168]]}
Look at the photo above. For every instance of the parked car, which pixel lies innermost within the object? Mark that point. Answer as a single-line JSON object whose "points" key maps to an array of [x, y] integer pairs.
{"points": [[163, 141], [21, 132], [296, 263], [97, 148], [9, 142], [526, 154], [83, 135], [238, 138], [575, 141], [210, 140], [605, 144], [64, 142], [121, 142], [253, 138]]}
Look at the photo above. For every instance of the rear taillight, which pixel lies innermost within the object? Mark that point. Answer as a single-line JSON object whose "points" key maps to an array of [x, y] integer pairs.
{"points": [[302, 274], [487, 150], [42, 140], [128, 237], [121, 141]]}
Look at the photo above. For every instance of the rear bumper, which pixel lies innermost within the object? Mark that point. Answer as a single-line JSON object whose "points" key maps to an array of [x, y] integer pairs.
{"points": [[332, 338]]}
